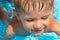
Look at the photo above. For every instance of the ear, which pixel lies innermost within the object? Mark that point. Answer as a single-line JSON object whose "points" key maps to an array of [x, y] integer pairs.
{"points": [[52, 10], [17, 15]]}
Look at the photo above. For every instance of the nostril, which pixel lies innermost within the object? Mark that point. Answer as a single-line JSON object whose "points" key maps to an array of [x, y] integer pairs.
{"points": [[37, 26]]}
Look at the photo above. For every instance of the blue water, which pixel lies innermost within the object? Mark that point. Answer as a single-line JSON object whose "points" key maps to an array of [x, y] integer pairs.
{"points": [[56, 14], [9, 7]]}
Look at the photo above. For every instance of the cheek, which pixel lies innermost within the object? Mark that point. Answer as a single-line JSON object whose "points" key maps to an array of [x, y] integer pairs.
{"points": [[27, 25], [47, 22]]}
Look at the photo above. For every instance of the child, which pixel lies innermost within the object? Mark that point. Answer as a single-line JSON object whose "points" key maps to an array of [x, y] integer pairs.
{"points": [[31, 17]]}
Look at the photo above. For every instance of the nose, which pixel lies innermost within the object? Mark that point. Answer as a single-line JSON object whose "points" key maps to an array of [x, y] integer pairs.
{"points": [[38, 25]]}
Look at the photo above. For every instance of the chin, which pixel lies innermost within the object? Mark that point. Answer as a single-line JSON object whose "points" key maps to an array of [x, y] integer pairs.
{"points": [[37, 34]]}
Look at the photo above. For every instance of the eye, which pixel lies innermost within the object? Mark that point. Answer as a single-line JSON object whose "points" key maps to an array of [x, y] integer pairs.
{"points": [[30, 20], [44, 18]]}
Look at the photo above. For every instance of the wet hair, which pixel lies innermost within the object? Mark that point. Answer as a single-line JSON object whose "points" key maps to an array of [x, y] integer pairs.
{"points": [[26, 5]]}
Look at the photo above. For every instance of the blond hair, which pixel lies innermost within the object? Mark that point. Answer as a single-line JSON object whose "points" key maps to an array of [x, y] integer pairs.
{"points": [[26, 5]]}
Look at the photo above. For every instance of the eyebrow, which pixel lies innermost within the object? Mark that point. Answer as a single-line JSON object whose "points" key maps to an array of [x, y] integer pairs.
{"points": [[34, 18], [46, 15], [29, 18]]}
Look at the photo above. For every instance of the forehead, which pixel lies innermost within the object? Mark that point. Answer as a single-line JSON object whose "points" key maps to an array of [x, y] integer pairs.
{"points": [[37, 14]]}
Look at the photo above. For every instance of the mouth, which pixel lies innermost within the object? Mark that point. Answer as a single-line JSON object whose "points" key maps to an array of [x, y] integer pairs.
{"points": [[37, 30]]}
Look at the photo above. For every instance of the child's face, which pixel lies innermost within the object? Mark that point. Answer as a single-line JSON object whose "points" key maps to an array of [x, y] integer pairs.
{"points": [[36, 22]]}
